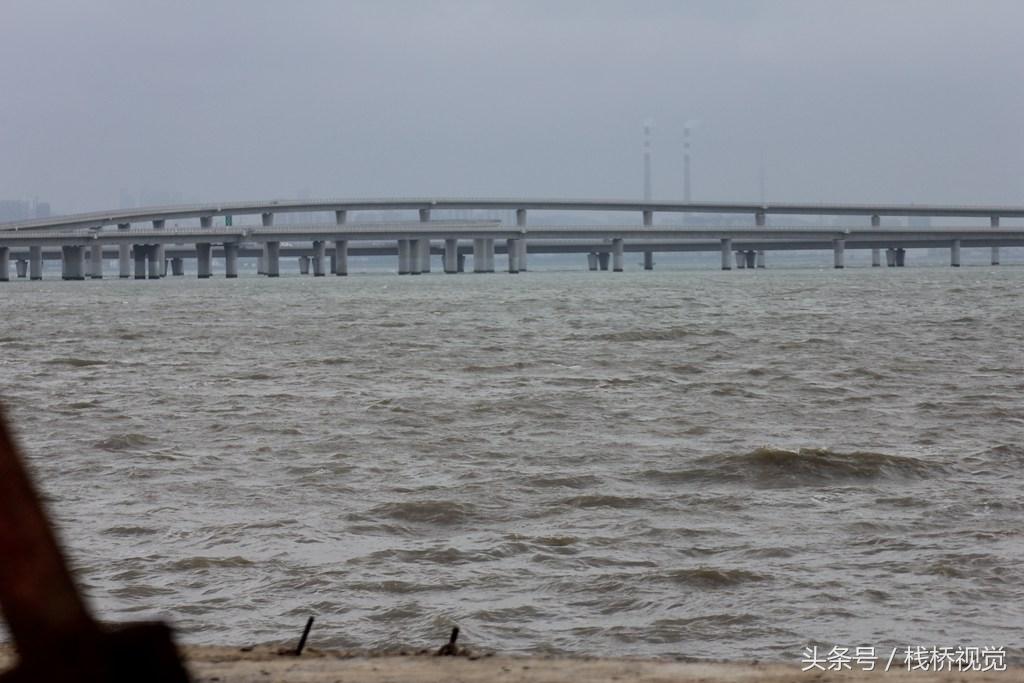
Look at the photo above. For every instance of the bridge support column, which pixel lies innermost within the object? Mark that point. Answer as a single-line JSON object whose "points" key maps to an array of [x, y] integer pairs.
{"points": [[206, 221], [341, 257], [648, 218], [73, 262], [478, 256], [760, 259], [648, 260], [751, 259], [592, 261], [267, 218], [273, 253], [512, 248], [340, 217], [759, 219], [124, 254], [22, 268], [230, 259], [155, 267], [303, 265], [96, 261], [403, 257], [414, 257], [726, 253], [35, 263], [204, 260], [901, 257], [994, 222], [954, 254], [139, 254], [522, 254], [5, 264], [617, 254], [741, 260], [876, 258], [319, 249], [425, 255], [521, 224], [839, 253], [160, 248], [177, 266], [489, 254], [451, 255], [890, 258], [603, 257], [261, 261]]}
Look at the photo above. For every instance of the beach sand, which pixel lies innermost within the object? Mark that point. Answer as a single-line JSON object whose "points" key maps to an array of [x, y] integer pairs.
{"points": [[265, 665]]}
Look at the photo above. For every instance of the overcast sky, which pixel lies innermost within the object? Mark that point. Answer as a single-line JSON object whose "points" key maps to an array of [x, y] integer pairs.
{"points": [[846, 101]]}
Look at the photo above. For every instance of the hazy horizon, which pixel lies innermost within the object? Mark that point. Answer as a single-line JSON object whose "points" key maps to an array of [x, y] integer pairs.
{"points": [[870, 101]]}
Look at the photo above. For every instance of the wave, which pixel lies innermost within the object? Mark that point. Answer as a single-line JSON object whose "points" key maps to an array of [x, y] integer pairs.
{"points": [[75, 362]]}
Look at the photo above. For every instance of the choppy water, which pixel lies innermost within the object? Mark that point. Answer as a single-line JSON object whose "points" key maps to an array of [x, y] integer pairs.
{"points": [[672, 463]]}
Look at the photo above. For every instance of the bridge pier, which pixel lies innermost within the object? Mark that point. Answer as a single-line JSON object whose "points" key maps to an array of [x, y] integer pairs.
{"points": [[425, 256], [204, 260], [876, 258], [994, 222], [273, 255], [726, 253], [489, 255], [592, 261], [617, 254], [231, 259], [462, 262], [839, 253], [403, 257], [96, 261], [160, 249], [890, 258], [603, 257], [751, 259], [954, 254], [5, 264], [155, 268], [512, 249], [341, 257], [451, 256], [648, 259], [35, 263], [415, 261], [741, 260], [139, 254], [22, 267], [177, 266], [319, 249], [73, 262], [479, 261], [760, 259], [124, 254], [303, 265], [901, 257], [206, 221], [521, 223]]}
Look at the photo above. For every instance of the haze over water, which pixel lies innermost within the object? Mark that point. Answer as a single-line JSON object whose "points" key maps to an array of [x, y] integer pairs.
{"points": [[680, 463]]}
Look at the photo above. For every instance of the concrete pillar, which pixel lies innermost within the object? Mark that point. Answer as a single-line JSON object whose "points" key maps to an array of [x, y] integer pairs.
{"points": [[155, 266], [206, 221], [751, 259], [319, 250], [592, 261], [479, 266], [341, 257], [617, 254], [96, 261], [489, 253], [451, 255], [901, 257], [602, 259], [139, 252], [5, 264], [890, 258], [512, 247], [760, 258], [73, 261], [759, 218], [415, 257], [333, 265], [424, 215], [303, 265], [124, 254], [994, 222], [648, 217], [839, 253], [159, 225], [35, 263], [204, 260], [726, 253], [165, 266], [273, 252], [231, 259], [462, 263], [954, 254], [648, 260], [268, 219], [741, 261], [424, 255], [522, 254], [876, 260], [65, 266], [22, 268], [177, 266], [404, 265], [340, 217]]}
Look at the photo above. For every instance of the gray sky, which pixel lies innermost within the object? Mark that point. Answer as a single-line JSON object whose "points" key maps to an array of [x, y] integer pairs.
{"points": [[847, 101]]}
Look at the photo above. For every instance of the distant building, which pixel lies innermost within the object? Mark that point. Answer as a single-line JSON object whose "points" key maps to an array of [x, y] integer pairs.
{"points": [[23, 210]]}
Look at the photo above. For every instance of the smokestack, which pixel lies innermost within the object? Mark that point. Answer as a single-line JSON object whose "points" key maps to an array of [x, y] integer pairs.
{"points": [[647, 159]]}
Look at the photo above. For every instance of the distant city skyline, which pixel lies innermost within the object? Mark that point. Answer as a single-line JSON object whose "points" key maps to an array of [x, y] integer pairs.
{"points": [[871, 101]]}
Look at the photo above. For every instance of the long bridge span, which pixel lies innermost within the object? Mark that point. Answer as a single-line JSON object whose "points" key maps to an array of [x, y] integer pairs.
{"points": [[146, 248]]}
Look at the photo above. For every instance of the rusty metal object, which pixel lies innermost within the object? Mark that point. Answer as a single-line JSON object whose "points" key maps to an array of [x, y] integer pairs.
{"points": [[55, 636]]}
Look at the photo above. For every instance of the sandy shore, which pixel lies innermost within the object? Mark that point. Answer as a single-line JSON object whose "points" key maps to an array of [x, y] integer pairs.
{"points": [[265, 665]]}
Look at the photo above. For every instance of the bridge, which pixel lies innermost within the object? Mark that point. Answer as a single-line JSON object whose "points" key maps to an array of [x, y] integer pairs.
{"points": [[146, 249]]}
